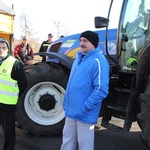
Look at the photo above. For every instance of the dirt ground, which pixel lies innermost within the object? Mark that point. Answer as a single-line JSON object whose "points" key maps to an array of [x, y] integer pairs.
{"points": [[104, 139]]}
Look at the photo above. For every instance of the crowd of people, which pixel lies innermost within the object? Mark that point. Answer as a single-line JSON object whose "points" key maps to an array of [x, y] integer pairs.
{"points": [[24, 52], [81, 106], [13, 83]]}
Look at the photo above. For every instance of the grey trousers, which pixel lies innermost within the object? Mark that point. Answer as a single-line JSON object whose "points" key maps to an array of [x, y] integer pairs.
{"points": [[75, 131]]}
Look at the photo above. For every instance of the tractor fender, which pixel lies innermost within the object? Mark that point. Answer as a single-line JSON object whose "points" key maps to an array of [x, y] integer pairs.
{"points": [[64, 59]]}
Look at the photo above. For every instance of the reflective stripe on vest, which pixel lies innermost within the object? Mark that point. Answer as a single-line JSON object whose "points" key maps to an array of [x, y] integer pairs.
{"points": [[47, 44], [9, 90]]}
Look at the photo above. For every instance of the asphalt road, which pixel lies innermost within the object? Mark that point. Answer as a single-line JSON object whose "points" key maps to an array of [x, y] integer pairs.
{"points": [[104, 140]]}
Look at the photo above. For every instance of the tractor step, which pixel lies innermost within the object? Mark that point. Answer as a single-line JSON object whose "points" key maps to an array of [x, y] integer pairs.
{"points": [[116, 108], [111, 126], [123, 90]]}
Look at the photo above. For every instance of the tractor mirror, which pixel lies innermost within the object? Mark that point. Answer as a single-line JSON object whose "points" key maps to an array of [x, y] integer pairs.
{"points": [[101, 22]]}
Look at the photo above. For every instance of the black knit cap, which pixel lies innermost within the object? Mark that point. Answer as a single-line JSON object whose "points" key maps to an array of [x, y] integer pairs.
{"points": [[4, 41], [91, 36], [50, 34]]}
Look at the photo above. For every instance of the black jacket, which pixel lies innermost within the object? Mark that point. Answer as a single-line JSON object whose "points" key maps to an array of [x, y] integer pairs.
{"points": [[43, 48]]}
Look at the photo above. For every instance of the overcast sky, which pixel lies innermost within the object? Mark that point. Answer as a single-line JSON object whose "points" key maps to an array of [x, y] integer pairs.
{"points": [[75, 16]]}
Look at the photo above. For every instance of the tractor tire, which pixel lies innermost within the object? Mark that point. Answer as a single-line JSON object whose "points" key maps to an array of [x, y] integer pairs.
{"points": [[143, 118], [39, 109]]}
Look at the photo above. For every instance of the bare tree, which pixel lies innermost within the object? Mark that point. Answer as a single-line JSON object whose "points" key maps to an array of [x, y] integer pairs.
{"points": [[25, 28], [60, 29]]}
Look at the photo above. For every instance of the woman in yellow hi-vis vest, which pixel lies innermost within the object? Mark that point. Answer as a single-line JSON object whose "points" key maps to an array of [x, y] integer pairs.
{"points": [[13, 82]]}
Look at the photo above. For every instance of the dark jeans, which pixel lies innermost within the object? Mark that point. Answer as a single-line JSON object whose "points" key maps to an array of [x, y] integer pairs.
{"points": [[7, 120]]}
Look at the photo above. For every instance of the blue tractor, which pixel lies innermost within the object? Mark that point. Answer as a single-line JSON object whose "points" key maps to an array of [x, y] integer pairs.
{"points": [[129, 91]]}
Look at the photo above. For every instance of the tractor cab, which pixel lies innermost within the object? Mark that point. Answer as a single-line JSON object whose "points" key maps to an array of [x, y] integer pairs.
{"points": [[134, 36], [129, 87], [133, 33]]}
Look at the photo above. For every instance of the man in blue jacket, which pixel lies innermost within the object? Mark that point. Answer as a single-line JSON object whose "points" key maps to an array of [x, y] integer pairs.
{"points": [[88, 85]]}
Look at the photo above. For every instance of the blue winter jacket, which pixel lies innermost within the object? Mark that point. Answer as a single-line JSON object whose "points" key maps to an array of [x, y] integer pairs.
{"points": [[87, 86]]}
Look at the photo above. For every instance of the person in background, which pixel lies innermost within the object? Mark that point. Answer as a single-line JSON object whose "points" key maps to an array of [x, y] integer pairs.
{"points": [[28, 60], [62, 36], [45, 45], [88, 85], [22, 50], [13, 82]]}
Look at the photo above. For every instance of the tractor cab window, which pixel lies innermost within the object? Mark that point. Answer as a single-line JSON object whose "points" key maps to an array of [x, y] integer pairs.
{"points": [[135, 33]]}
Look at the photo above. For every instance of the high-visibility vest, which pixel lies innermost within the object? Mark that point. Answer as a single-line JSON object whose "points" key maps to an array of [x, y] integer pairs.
{"points": [[9, 90], [132, 60]]}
